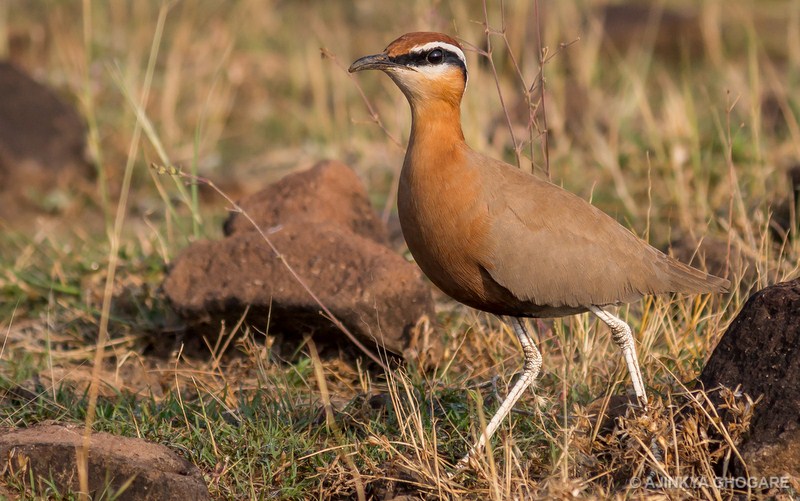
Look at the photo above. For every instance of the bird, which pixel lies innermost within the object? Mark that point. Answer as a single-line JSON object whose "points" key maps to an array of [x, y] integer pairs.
{"points": [[504, 241]]}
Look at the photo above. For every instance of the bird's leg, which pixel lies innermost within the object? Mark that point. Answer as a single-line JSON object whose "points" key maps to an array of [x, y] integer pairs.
{"points": [[623, 337], [533, 362]]}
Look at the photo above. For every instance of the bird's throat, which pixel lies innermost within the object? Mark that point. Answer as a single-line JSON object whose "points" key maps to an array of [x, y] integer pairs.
{"points": [[436, 122]]}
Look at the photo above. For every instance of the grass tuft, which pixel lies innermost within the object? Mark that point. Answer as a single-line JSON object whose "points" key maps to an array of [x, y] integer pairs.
{"points": [[688, 140]]}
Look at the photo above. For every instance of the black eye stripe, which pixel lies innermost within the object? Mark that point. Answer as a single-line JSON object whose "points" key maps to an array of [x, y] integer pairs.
{"points": [[421, 58]]}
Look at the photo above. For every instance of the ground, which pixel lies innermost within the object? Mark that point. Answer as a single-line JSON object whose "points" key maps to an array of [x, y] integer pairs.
{"points": [[683, 130]]}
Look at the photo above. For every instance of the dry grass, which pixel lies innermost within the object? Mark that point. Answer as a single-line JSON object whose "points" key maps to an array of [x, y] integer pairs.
{"points": [[685, 138]]}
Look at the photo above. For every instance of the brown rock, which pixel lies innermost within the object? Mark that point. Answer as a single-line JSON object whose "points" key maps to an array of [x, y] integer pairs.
{"points": [[42, 142], [329, 192], [761, 353], [49, 451], [323, 226], [773, 459]]}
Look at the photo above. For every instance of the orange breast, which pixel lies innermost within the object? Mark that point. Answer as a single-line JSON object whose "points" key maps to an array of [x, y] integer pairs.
{"points": [[444, 222]]}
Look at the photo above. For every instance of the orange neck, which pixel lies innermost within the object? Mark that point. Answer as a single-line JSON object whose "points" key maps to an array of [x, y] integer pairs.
{"points": [[436, 135]]}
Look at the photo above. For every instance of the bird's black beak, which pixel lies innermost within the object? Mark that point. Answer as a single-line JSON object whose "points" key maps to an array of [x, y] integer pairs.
{"points": [[373, 62]]}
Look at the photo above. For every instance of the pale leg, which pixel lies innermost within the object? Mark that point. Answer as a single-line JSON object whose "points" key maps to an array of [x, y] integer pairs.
{"points": [[623, 337], [533, 362]]}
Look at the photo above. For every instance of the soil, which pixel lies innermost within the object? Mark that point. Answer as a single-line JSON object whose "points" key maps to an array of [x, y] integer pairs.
{"points": [[322, 225], [153, 471], [42, 148], [760, 354]]}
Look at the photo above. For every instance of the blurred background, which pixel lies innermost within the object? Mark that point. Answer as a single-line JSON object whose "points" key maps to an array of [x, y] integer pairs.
{"points": [[647, 104], [679, 119]]}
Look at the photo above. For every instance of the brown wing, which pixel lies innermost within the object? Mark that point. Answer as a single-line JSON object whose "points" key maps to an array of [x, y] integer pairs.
{"points": [[551, 247]]}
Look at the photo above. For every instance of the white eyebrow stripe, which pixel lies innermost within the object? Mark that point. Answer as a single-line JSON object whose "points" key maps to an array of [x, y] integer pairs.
{"points": [[442, 45]]}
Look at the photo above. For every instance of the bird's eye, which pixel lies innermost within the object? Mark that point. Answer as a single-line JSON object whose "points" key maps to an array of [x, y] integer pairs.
{"points": [[435, 56]]}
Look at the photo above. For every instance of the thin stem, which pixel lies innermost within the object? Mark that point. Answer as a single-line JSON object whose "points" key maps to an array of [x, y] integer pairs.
{"points": [[376, 119], [113, 258], [488, 54], [542, 52], [87, 102]]}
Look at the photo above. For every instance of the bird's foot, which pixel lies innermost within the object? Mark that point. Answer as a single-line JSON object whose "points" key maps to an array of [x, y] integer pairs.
{"points": [[468, 461], [461, 465]]}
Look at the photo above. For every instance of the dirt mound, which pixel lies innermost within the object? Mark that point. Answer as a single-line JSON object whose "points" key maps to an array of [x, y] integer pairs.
{"points": [[329, 192], [49, 452], [761, 353], [42, 143], [321, 223]]}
